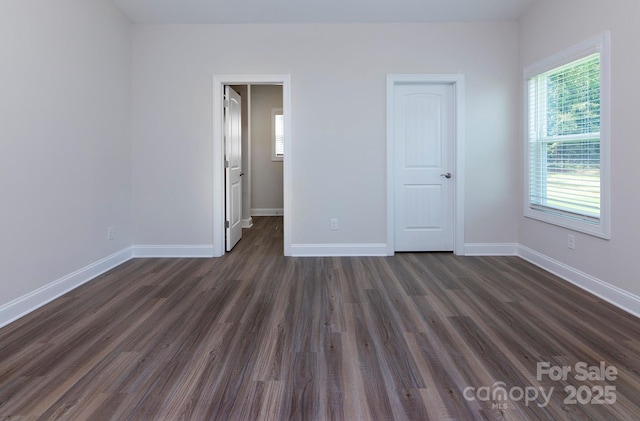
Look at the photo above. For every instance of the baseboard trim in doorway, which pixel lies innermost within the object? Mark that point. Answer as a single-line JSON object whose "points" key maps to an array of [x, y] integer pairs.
{"points": [[267, 212], [331, 250], [33, 300], [247, 223]]}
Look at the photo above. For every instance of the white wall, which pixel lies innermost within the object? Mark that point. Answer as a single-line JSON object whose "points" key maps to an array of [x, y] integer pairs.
{"points": [[65, 146], [338, 77], [266, 175], [547, 28]]}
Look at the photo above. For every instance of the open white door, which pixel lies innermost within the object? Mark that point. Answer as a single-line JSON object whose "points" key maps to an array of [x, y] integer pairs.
{"points": [[233, 167], [424, 163]]}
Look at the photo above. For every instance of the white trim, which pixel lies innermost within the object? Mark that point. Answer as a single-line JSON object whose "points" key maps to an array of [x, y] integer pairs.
{"points": [[610, 293], [491, 249], [247, 223], [267, 212], [173, 251], [218, 153], [30, 302], [33, 300], [458, 82], [329, 250], [598, 44], [593, 45], [249, 170]]}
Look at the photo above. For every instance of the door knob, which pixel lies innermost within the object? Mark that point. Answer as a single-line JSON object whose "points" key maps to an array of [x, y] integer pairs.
{"points": [[241, 174], [446, 175]]}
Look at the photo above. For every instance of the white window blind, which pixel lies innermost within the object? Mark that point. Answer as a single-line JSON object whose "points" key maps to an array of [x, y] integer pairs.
{"points": [[564, 140], [279, 135]]}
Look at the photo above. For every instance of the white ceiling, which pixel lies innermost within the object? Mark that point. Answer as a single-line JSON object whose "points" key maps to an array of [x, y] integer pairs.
{"points": [[320, 11]]}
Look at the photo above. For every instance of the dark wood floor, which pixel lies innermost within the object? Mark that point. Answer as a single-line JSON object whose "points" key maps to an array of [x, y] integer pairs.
{"points": [[255, 335]]}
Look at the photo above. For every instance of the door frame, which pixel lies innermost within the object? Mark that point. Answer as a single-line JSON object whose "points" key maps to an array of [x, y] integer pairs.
{"points": [[457, 80], [219, 81]]}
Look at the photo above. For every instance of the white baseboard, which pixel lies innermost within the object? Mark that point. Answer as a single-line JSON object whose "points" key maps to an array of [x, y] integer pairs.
{"points": [[267, 212], [21, 306], [611, 293], [329, 250], [24, 305], [491, 249], [247, 223], [174, 251]]}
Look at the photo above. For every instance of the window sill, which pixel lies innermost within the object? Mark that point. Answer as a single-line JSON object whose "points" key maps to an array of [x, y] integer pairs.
{"points": [[600, 230]]}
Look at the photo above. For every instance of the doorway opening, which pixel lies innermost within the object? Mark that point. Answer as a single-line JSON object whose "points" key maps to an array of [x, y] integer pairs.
{"points": [[219, 159], [261, 150]]}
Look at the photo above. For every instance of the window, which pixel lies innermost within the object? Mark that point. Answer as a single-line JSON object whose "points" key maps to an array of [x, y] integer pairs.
{"points": [[277, 134], [567, 139]]}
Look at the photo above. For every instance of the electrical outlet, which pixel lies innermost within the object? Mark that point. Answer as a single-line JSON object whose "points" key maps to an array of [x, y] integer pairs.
{"points": [[110, 233], [334, 225], [571, 242]]}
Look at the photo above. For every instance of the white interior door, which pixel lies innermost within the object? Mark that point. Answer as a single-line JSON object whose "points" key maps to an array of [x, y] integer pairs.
{"points": [[233, 167], [424, 167]]}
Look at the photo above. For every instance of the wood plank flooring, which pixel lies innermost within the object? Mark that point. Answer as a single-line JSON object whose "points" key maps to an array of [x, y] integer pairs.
{"points": [[257, 336]]}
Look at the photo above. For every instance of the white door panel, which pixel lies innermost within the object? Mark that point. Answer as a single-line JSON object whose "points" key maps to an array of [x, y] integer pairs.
{"points": [[424, 199], [422, 207], [233, 172]]}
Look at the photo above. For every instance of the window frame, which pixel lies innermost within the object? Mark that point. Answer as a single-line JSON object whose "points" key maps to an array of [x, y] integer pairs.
{"points": [[602, 226], [275, 112]]}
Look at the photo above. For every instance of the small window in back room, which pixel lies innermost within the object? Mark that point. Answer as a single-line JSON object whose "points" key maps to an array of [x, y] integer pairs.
{"points": [[277, 134]]}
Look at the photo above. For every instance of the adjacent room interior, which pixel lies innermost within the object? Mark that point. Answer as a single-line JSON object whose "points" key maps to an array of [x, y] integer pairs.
{"points": [[261, 152]]}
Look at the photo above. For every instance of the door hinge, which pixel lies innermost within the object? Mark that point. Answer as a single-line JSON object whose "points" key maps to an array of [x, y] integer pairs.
{"points": [[226, 224], [225, 103], [226, 164]]}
